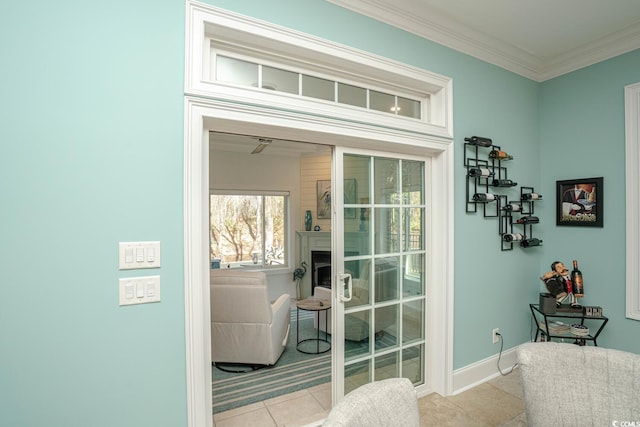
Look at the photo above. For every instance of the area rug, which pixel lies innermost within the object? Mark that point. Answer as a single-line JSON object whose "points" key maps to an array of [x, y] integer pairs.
{"points": [[294, 371]]}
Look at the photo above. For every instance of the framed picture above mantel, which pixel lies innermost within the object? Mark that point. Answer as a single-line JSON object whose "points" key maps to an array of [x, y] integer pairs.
{"points": [[324, 198], [579, 202]]}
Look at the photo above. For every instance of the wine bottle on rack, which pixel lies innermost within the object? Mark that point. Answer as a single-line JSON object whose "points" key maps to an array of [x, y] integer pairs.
{"points": [[484, 197], [511, 237], [530, 242], [528, 220], [531, 196], [500, 155], [576, 279], [480, 172], [503, 183], [512, 207], [480, 141]]}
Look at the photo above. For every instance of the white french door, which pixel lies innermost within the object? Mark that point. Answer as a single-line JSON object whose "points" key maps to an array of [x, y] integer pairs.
{"points": [[380, 256]]}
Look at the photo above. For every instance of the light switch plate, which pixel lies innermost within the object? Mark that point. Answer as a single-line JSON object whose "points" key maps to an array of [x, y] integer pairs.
{"points": [[139, 290], [134, 255]]}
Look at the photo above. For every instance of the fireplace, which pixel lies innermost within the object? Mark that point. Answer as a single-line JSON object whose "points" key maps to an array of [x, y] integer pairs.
{"points": [[320, 269], [315, 251]]}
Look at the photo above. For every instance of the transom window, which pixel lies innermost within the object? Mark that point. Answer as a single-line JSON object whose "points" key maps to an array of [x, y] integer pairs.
{"points": [[248, 230], [248, 73]]}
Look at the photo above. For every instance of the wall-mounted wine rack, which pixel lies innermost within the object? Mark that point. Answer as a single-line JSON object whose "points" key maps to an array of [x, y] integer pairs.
{"points": [[482, 174]]}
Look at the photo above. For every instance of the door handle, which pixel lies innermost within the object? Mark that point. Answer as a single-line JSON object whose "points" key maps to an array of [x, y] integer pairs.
{"points": [[345, 278]]}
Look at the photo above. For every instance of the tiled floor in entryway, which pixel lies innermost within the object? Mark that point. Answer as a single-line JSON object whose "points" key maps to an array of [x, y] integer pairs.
{"points": [[495, 403]]}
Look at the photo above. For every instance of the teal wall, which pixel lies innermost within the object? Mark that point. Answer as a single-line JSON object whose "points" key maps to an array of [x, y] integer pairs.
{"points": [[91, 120], [91, 154], [582, 136]]}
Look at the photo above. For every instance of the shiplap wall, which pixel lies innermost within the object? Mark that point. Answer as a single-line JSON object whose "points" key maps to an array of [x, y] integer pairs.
{"points": [[312, 169]]}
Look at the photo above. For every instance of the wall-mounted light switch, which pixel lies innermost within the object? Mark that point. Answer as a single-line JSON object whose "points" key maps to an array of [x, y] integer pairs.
{"points": [[134, 255], [139, 290]]}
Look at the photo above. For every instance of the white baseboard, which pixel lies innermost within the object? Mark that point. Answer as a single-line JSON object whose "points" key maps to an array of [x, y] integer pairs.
{"points": [[482, 371]]}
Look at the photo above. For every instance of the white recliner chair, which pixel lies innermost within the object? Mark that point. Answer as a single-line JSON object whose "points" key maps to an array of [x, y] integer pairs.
{"points": [[246, 328]]}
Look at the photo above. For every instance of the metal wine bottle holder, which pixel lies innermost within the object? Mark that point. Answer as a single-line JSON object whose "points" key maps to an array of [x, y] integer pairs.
{"points": [[495, 208]]}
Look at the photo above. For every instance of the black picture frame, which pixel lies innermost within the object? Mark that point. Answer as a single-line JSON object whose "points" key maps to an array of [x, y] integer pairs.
{"points": [[577, 204]]}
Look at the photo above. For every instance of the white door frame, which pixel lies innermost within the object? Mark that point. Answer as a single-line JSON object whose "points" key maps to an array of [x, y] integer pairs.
{"points": [[202, 115]]}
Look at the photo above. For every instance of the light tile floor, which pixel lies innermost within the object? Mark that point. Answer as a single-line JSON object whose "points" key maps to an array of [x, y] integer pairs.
{"points": [[495, 403]]}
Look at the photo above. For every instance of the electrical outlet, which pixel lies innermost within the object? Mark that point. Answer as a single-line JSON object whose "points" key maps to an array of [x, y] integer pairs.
{"points": [[495, 335]]}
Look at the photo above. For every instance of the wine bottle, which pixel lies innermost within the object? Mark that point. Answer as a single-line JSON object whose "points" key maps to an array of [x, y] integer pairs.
{"points": [[531, 196], [576, 279], [528, 220], [500, 155], [484, 197], [480, 141], [510, 237], [503, 183], [480, 172], [512, 207], [530, 242]]}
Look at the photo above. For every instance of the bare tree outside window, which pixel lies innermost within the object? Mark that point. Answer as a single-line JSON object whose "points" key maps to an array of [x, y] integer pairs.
{"points": [[248, 229]]}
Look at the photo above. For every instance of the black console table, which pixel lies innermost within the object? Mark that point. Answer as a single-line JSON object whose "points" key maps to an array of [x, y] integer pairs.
{"points": [[542, 321]]}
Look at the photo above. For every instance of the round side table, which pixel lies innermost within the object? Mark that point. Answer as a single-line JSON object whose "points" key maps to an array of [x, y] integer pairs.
{"points": [[317, 305]]}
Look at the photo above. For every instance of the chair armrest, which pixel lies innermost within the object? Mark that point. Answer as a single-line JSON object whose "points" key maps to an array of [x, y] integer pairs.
{"points": [[281, 311], [282, 303]]}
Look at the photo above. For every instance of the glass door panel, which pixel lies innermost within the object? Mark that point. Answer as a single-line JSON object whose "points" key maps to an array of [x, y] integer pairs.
{"points": [[413, 275], [387, 366], [386, 279], [412, 236], [356, 374], [388, 230], [382, 226], [413, 363], [412, 325], [412, 182], [387, 327], [386, 181]]}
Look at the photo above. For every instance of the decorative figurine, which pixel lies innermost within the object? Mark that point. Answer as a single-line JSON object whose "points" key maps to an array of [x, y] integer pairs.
{"points": [[298, 274], [559, 284]]}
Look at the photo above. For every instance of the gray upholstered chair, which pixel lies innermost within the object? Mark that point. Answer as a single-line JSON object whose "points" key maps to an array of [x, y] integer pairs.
{"points": [[246, 328], [385, 403], [568, 385]]}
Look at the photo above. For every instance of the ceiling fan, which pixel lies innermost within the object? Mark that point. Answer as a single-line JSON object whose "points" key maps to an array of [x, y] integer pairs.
{"points": [[263, 144]]}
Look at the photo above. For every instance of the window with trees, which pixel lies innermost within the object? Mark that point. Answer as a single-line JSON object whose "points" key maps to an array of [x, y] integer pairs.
{"points": [[248, 230]]}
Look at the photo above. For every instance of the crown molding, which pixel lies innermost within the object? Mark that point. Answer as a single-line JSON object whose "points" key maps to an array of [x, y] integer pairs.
{"points": [[615, 44], [447, 32]]}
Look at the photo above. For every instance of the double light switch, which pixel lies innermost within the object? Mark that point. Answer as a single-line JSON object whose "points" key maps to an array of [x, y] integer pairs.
{"points": [[139, 255]]}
